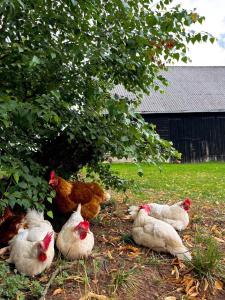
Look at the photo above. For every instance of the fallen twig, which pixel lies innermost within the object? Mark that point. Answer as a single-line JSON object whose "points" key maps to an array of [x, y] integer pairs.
{"points": [[54, 274]]}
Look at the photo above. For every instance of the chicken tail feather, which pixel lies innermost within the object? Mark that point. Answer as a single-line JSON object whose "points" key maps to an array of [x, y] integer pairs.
{"points": [[181, 252], [34, 216], [79, 208]]}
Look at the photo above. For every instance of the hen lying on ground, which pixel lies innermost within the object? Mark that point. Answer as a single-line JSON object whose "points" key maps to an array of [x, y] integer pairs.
{"points": [[175, 215], [75, 240], [32, 249], [70, 194], [156, 234]]}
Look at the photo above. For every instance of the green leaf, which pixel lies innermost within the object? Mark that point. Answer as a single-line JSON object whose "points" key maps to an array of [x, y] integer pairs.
{"points": [[35, 61], [184, 59], [16, 177], [53, 55], [50, 214], [176, 56], [23, 185], [49, 199], [124, 138]]}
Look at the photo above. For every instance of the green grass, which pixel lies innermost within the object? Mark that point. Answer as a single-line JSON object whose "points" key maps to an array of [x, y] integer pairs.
{"points": [[200, 181], [208, 257]]}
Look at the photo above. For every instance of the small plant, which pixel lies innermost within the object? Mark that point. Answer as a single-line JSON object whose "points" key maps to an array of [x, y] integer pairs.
{"points": [[207, 258], [127, 238], [96, 268], [124, 279], [198, 219], [85, 275], [60, 278], [16, 286], [154, 260]]}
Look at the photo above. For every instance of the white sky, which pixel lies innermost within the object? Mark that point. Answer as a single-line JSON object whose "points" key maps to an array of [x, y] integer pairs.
{"points": [[207, 54]]}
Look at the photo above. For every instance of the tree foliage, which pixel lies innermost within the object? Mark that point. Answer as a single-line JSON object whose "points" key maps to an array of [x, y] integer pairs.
{"points": [[59, 60]]}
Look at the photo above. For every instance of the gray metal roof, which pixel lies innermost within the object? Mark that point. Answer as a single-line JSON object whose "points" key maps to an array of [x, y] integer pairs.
{"points": [[191, 89]]}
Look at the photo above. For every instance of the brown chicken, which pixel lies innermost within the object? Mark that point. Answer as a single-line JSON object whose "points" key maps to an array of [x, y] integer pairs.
{"points": [[10, 223], [70, 194], [7, 214]]}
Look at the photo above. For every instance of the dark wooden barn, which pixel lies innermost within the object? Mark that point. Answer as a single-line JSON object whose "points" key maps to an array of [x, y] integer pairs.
{"points": [[191, 112]]}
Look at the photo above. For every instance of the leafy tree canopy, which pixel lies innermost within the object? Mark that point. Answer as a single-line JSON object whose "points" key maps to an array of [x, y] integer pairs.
{"points": [[59, 60]]}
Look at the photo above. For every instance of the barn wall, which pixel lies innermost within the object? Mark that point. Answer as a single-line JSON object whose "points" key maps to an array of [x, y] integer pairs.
{"points": [[198, 136]]}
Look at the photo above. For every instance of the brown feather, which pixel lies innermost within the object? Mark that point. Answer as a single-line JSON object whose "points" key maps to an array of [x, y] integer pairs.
{"points": [[70, 194], [10, 228]]}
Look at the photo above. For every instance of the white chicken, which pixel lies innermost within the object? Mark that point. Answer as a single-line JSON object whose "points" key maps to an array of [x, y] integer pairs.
{"points": [[175, 215], [75, 240], [32, 249], [157, 235]]}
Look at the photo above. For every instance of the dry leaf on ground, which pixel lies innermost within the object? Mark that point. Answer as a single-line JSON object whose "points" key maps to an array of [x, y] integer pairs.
{"points": [[109, 255], [91, 295], [43, 278], [57, 291], [188, 283], [176, 272], [206, 284], [219, 240], [170, 298], [131, 248], [218, 285]]}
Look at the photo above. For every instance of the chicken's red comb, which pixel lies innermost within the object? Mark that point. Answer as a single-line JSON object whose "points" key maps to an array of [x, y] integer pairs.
{"points": [[52, 175], [84, 224], [146, 207], [47, 239], [187, 202]]}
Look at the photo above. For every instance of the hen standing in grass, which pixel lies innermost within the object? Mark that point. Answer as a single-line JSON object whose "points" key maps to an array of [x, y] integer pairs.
{"points": [[69, 194], [75, 240], [156, 234], [32, 249], [175, 215]]}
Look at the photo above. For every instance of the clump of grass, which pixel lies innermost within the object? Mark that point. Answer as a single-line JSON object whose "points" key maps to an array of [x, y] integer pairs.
{"points": [[207, 258], [198, 219], [124, 280], [154, 261]]}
